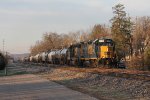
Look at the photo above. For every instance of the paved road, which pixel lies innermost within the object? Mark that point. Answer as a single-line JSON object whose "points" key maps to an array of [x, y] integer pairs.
{"points": [[31, 87]]}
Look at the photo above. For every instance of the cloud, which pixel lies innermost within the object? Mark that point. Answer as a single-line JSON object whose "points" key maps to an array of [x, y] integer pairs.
{"points": [[137, 7], [30, 12], [95, 3], [25, 1], [31, 18]]}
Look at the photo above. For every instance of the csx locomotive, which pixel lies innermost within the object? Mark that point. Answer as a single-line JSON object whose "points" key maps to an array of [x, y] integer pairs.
{"points": [[93, 53]]}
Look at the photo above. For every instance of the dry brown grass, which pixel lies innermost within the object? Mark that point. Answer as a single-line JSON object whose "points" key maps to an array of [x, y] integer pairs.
{"points": [[125, 73], [102, 86]]}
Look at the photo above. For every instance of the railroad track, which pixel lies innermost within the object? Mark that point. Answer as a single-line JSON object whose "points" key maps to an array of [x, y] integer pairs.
{"points": [[122, 73], [128, 75]]}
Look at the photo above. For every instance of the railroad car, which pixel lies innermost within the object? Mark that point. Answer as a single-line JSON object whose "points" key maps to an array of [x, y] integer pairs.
{"points": [[51, 57], [63, 56], [57, 57], [40, 58], [73, 54], [88, 54], [26, 59], [36, 57], [31, 59], [44, 57]]}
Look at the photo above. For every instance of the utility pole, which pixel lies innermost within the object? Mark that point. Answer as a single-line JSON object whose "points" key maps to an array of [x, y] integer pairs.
{"points": [[3, 46], [5, 55], [6, 65]]}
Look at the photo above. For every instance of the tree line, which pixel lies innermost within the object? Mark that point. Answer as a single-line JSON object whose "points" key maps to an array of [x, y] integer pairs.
{"points": [[131, 35], [54, 40]]}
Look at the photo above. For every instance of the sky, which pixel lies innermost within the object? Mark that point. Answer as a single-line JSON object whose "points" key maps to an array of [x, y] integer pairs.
{"points": [[22, 22]]}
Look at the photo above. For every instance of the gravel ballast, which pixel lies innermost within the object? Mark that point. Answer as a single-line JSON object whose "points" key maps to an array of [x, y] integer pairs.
{"points": [[101, 86]]}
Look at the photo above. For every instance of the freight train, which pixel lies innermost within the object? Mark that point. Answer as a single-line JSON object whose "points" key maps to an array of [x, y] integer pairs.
{"points": [[91, 53], [2, 61]]}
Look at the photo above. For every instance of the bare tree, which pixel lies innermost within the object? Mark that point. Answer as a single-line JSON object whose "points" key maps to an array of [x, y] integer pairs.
{"points": [[99, 31], [141, 38]]}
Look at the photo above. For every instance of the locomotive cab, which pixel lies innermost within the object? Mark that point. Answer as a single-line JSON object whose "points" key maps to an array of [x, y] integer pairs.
{"points": [[106, 48]]}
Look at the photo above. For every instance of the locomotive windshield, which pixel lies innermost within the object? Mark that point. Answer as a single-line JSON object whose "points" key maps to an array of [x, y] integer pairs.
{"points": [[106, 42]]}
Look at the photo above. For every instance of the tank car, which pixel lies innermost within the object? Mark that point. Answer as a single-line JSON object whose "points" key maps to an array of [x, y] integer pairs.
{"points": [[57, 56], [26, 59], [40, 58], [51, 57], [36, 57], [44, 57], [31, 59]]}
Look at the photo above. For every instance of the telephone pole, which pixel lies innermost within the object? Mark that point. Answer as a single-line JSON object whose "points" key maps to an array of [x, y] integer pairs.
{"points": [[5, 55], [3, 46], [6, 70]]}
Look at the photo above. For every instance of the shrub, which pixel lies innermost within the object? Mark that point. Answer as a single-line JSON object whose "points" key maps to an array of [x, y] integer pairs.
{"points": [[137, 62]]}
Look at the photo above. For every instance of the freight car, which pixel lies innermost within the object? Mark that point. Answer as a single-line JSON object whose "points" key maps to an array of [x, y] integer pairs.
{"points": [[44, 57], [36, 57], [51, 57], [63, 56], [26, 59]]}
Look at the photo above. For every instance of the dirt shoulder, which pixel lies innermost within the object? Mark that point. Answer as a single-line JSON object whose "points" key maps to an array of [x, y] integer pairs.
{"points": [[100, 86]]}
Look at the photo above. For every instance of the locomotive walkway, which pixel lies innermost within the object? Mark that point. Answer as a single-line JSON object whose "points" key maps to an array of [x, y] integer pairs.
{"points": [[31, 87]]}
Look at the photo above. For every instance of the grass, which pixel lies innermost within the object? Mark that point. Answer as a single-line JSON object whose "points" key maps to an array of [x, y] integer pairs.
{"points": [[20, 73], [2, 72], [9, 73]]}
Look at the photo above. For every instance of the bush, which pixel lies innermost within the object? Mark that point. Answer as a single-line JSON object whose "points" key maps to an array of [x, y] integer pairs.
{"points": [[137, 62]]}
